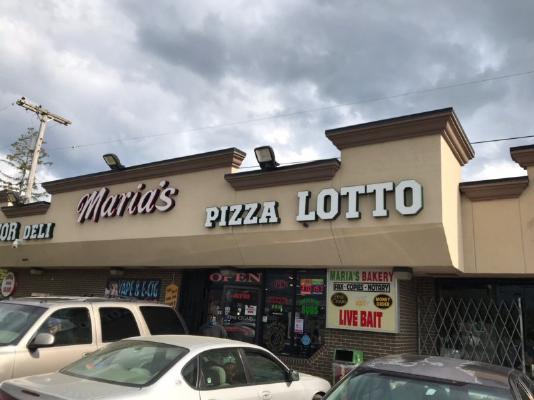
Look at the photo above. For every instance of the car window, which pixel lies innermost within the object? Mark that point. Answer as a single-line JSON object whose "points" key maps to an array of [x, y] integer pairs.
{"points": [[221, 368], [128, 362], [162, 320], [264, 369], [15, 320], [70, 326], [373, 385], [190, 372], [117, 323]]}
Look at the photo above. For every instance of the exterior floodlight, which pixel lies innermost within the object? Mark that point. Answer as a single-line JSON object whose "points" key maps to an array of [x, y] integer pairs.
{"points": [[113, 161], [265, 157]]}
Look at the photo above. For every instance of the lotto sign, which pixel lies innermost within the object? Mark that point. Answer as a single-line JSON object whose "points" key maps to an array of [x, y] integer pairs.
{"points": [[362, 300], [8, 285]]}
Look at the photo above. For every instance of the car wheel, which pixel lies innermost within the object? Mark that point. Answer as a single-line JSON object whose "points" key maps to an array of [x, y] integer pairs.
{"points": [[318, 396]]}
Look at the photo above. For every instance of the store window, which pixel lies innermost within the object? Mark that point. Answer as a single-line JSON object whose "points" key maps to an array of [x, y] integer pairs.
{"points": [[294, 312], [281, 310]]}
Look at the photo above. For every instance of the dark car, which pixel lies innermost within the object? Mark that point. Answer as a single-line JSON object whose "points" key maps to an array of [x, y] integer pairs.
{"points": [[408, 377]]}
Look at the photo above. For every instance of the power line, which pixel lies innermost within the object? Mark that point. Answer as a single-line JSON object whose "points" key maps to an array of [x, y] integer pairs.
{"points": [[503, 139], [295, 113]]}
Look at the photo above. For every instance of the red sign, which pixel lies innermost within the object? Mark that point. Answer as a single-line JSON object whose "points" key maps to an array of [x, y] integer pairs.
{"points": [[8, 285], [241, 277], [364, 319]]}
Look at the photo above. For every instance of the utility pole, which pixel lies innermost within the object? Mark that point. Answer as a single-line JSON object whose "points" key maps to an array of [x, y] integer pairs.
{"points": [[44, 116]]}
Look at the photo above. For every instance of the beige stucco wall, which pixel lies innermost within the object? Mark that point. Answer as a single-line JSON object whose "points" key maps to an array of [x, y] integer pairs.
{"points": [[498, 235], [430, 239]]}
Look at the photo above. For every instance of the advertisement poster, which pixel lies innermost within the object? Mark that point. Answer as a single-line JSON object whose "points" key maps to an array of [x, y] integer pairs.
{"points": [[362, 300], [171, 295]]}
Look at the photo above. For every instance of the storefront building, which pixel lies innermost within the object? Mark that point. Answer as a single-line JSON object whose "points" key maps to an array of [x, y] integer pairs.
{"points": [[301, 259]]}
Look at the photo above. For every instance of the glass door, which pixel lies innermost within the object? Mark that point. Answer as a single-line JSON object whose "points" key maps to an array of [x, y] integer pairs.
{"points": [[240, 308]]}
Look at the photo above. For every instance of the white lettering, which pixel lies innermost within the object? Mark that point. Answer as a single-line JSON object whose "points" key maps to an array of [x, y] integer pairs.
{"points": [[252, 213], [235, 215], [328, 196], [380, 189], [269, 214], [352, 200], [304, 203], [401, 197]]}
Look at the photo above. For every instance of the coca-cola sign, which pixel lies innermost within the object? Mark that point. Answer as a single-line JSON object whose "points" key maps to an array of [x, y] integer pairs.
{"points": [[100, 204]]}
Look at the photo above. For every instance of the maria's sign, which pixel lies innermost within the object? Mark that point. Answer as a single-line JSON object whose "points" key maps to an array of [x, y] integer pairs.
{"points": [[362, 300], [11, 231], [100, 204], [144, 289]]}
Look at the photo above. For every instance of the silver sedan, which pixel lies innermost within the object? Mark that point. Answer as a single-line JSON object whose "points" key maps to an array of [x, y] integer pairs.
{"points": [[185, 367]]}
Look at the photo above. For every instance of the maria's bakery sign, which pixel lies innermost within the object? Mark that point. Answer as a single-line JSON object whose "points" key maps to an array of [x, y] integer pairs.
{"points": [[102, 204]]}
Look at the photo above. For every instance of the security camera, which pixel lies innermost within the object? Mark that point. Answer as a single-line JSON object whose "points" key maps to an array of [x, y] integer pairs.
{"points": [[16, 243]]}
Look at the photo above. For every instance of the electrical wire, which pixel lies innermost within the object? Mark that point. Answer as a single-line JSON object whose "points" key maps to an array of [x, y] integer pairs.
{"points": [[503, 139], [295, 113]]}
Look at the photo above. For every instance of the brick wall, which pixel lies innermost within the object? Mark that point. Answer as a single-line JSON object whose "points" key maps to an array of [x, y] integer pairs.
{"points": [[371, 343], [85, 282]]}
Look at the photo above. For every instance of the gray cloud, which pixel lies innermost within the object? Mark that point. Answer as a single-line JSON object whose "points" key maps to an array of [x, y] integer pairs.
{"points": [[122, 70]]}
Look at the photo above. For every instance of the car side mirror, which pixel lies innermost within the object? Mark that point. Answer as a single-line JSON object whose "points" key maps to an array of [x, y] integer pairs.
{"points": [[42, 340], [293, 375]]}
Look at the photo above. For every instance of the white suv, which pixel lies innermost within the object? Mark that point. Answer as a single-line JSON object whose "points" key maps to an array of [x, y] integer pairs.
{"points": [[43, 334]]}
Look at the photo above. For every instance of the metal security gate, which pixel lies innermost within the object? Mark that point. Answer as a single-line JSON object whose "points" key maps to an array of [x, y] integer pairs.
{"points": [[472, 329]]}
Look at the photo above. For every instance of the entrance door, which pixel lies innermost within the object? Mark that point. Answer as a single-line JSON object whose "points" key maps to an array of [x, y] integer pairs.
{"points": [[240, 308]]}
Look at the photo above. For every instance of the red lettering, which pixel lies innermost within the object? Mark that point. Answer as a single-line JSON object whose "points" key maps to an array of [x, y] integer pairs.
{"points": [[348, 317], [371, 319]]}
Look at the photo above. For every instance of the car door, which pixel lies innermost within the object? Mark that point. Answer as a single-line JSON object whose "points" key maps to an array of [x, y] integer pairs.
{"points": [[222, 376], [74, 337], [270, 378]]}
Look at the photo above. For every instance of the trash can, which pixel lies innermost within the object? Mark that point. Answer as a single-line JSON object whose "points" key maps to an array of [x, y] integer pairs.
{"points": [[345, 360]]}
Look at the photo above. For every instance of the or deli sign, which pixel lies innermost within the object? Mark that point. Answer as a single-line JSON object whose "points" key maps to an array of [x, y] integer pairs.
{"points": [[362, 300], [408, 201], [100, 204], [10, 231], [8, 284]]}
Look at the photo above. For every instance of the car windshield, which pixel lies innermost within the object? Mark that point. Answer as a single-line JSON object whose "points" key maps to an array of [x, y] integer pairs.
{"points": [[128, 362], [15, 320], [371, 385]]}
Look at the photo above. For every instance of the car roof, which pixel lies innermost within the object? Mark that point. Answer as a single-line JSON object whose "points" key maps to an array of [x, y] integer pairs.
{"points": [[195, 343], [443, 368], [50, 301]]}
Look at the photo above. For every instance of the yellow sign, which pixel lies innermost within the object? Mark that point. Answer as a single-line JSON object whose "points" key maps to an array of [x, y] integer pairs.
{"points": [[362, 300], [171, 295]]}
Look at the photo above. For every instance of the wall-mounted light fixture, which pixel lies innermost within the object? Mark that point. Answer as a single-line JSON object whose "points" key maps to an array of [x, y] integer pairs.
{"points": [[12, 198], [403, 273], [113, 161], [36, 271], [116, 271], [265, 157]]}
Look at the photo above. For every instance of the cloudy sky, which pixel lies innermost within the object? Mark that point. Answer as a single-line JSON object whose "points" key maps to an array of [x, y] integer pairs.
{"points": [[151, 80]]}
